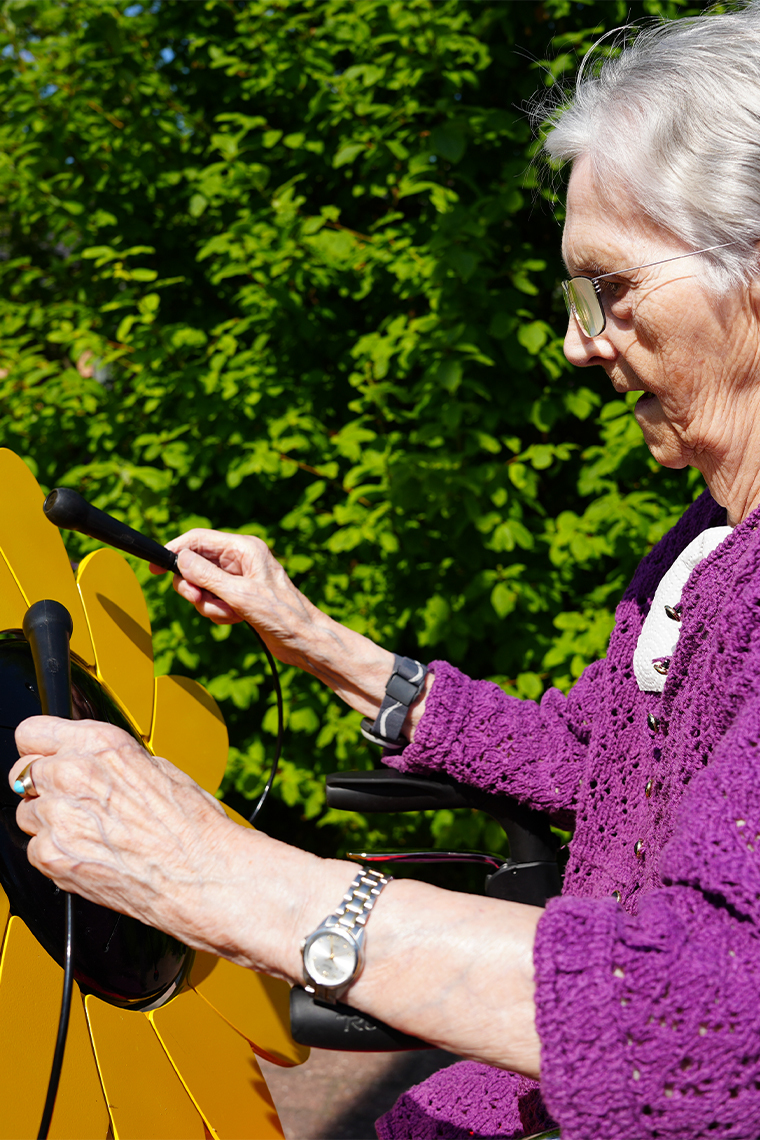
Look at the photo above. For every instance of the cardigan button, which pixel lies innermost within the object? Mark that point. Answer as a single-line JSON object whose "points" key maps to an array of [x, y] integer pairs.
{"points": [[662, 666], [653, 722], [648, 788], [673, 613], [616, 896], [638, 848]]}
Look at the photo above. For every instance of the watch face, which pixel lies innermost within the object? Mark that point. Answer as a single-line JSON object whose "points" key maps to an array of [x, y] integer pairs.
{"points": [[330, 959]]}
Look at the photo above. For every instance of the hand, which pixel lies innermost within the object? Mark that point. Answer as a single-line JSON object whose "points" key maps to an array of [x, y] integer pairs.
{"points": [[120, 827], [231, 578], [131, 832]]}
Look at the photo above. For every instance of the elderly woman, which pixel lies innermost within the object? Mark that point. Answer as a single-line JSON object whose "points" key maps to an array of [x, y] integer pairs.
{"points": [[634, 996]]}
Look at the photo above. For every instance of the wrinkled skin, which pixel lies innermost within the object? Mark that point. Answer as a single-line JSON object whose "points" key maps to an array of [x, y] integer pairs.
{"points": [[130, 831], [126, 829], [695, 354]]}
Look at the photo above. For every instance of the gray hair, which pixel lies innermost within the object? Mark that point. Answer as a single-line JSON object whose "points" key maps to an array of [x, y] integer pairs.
{"points": [[673, 123]]}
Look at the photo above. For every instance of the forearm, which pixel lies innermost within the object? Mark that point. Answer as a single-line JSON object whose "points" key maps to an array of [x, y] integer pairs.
{"points": [[454, 969], [355, 668], [131, 832]]}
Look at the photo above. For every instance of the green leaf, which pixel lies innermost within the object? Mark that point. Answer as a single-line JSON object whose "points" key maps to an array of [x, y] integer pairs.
{"points": [[448, 141], [197, 206], [187, 337], [143, 274], [449, 374], [124, 328], [503, 599], [348, 154], [533, 336]]}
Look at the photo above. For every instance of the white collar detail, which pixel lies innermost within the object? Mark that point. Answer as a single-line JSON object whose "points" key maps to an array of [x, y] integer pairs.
{"points": [[659, 634]]}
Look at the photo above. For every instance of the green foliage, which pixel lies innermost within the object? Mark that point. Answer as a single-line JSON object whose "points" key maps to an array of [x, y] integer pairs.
{"points": [[284, 267]]}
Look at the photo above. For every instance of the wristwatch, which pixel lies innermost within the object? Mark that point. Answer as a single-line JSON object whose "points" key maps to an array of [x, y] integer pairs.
{"points": [[333, 955]]}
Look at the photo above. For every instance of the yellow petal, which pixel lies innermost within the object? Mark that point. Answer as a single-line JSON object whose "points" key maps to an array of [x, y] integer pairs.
{"points": [[218, 1068], [256, 1005], [5, 910], [12, 602], [31, 984], [117, 616], [189, 730], [34, 550], [144, 1094]]}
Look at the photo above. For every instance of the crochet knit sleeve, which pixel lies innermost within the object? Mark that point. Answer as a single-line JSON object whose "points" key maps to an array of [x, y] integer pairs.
{"points": [[650, 1024], [474, 732]]}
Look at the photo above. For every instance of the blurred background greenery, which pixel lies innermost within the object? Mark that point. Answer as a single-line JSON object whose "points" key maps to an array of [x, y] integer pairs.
{"points": [[288, 267]]}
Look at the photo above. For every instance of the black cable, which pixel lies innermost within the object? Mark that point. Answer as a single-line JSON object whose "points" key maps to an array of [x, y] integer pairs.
{"points": [[280, 727], [63, 1023]]}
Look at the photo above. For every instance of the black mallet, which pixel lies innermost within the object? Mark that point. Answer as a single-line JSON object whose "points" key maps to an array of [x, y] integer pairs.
{"points": [[68, 510]]}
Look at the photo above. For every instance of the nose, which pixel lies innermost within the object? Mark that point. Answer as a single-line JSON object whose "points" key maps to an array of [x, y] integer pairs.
{"points": [[582, 350]]}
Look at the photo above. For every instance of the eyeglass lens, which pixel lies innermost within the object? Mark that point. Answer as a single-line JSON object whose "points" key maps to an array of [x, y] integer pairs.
{"points": [[583, 303]]}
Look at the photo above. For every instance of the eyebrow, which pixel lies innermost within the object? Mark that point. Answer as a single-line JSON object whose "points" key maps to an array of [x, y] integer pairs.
{"points": [[587, 266]]}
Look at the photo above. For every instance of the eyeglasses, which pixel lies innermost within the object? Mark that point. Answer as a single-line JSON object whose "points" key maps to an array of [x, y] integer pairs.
{"points": [[583, 296]]}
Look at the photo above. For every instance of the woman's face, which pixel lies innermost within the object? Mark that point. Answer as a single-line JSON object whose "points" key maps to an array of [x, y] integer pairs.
{"points": [[692, 355]]}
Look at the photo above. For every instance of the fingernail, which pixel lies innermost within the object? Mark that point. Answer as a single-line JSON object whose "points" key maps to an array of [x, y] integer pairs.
{"points": [[18, 788]]}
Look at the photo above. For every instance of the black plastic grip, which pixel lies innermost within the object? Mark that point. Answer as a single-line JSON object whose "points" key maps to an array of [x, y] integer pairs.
{"points": [[48, 628], [326, 1026], [67, 509], [385, 789], [388, 790]]}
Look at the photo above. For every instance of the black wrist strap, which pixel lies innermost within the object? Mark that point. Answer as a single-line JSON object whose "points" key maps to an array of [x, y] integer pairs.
{"points": [[403, 688]]}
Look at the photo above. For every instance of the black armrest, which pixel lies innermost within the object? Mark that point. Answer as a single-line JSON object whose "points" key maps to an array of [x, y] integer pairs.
{"points": [[340, 1026], [384, 789]]}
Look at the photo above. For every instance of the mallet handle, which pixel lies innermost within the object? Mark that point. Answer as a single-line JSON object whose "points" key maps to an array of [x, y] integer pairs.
{"points": [[47, 628], [68, 510]]}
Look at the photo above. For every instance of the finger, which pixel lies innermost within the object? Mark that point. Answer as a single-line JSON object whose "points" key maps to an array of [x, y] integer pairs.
{"points": [[187, 590], [206, 604], [210, 543], [67, 769], [19, 768], [20, 772], [227, 588], [23, 783], [105, 776], [45, 735], [27, 817]]}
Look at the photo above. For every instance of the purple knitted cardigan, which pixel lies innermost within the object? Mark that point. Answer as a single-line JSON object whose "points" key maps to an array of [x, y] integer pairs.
{"points": [[648, 1008]]}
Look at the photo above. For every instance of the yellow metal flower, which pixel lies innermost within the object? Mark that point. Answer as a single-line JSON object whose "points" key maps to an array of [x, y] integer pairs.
{"points": [[186, 1067]]}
